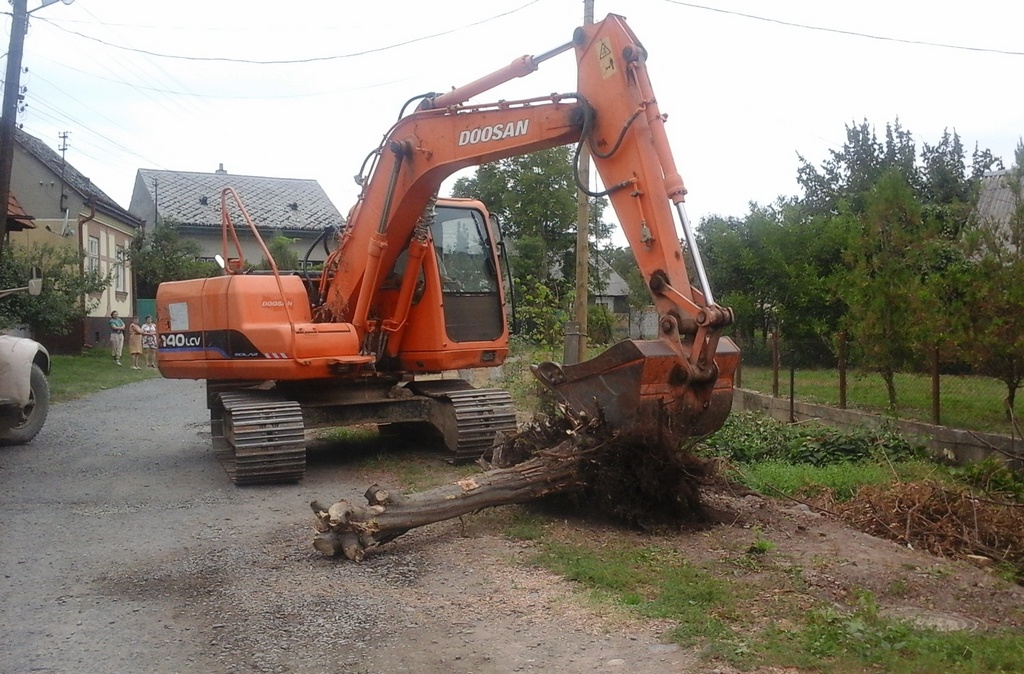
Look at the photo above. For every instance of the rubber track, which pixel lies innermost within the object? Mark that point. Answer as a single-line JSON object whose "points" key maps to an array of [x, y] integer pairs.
{"points": [[480, 414], [266, 439]]}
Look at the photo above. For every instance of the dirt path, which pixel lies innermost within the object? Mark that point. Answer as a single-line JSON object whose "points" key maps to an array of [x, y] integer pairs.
{"points": [[125, 549]]}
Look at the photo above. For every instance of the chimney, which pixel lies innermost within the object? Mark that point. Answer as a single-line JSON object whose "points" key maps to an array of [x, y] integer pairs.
{"points": [[220, 171]]}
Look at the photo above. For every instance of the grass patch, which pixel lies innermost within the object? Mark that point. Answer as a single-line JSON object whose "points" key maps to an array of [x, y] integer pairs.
{"points": [[860, 637], [728, 619], [73, 377], [525, 525], [970, 402], [412, 469], [653, 582], [774, 477]]}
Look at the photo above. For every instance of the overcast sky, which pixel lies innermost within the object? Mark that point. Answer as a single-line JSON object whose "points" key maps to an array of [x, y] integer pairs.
{"points": [[747, 85]]}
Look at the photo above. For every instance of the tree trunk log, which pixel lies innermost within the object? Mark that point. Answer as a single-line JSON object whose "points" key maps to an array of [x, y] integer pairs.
{"points": [[637, 477], [350, 529]]}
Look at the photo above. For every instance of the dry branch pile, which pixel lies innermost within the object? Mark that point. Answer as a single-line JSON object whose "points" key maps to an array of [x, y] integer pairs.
{"points": [[628, 475], [946, 522]]}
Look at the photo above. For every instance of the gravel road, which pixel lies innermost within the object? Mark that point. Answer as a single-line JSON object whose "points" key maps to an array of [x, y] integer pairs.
{"points": [[125, 549]]}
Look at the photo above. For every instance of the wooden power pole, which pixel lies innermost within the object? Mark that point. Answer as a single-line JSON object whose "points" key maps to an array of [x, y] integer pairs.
{"points": [[12, 93], [576, 344]]}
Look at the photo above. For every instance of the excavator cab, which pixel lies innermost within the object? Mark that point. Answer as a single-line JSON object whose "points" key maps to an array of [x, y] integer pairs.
{"points": [[456, 311]]}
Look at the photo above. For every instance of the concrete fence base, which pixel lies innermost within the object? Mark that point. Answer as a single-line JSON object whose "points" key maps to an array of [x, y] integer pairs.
{"points": [[951, 444]]}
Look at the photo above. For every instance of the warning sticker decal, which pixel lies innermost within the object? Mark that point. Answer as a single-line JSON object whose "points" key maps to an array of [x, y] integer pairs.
{"points": [[605, 58]]}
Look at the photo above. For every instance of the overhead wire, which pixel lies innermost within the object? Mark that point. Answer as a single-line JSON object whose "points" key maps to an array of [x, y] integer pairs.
{"points": [[187, 91], [260, 96], [840, 31], [59, 114], [310, 59]]}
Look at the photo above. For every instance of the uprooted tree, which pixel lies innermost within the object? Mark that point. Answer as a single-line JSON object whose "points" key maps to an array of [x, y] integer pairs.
{"points": [[633, 476]]}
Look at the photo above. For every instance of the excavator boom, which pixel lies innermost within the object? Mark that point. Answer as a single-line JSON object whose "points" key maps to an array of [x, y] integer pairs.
{"points": [[682, 379]]}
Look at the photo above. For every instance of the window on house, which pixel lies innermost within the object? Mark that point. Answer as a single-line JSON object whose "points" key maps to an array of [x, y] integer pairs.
{"points": [[94, 254], [119, 272]]}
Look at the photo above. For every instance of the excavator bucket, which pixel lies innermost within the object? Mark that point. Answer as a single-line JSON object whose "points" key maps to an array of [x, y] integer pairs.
{"points": [[640, 387]]}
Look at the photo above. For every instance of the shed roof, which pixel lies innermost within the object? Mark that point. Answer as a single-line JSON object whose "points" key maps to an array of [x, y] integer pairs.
{"points": [[193, 199], [17, 218], [995, 201]]}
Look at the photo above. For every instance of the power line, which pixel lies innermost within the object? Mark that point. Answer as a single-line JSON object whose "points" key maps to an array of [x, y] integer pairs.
{"points": [[223, 97], [312, 59], [846, 32]]}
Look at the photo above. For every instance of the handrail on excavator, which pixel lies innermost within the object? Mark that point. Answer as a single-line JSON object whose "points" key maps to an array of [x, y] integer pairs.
{"points": [[236, 265]]}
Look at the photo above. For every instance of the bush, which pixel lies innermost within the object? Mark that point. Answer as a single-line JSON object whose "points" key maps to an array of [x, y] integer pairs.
{"points": [[749, 437], [600, 324]]}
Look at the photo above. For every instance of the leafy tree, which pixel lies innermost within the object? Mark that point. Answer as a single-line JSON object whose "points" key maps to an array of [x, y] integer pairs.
{"points": [[889, 256], [534, 196], [992, 337], [543, 312], [67, 295], [839, 194], [851, 172], [164, 255], [742, 260], [773, 268], [285, 257]]}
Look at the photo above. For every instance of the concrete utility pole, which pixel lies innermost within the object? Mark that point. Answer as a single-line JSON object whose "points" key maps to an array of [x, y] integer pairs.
{"points": [[12, 94], [576, 331]]}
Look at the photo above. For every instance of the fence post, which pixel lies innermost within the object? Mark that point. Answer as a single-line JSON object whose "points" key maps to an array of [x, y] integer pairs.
{"points": [[842, 370], [738, 377], [936, 415], [792, 388], [775, 363]]}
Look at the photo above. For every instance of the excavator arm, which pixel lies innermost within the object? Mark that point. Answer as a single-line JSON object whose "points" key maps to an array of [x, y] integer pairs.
{"points": [[682, 380]]}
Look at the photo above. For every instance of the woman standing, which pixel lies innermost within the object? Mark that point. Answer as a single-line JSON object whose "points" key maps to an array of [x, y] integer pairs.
{"points": [[135, 343], [149, 341]]}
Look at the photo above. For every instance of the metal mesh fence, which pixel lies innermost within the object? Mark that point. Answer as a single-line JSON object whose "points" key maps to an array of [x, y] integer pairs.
{"points": [[924, 389]]}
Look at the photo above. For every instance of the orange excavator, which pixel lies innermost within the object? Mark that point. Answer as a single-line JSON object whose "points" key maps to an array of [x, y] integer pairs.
{"points": [[413, 288]]}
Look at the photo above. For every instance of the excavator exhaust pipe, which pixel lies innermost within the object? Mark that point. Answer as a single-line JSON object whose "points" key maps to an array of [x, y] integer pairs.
{"points": [[637, 387]]}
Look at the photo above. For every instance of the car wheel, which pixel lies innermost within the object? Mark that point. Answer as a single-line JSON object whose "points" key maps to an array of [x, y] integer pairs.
{"points": [[34, 413]]}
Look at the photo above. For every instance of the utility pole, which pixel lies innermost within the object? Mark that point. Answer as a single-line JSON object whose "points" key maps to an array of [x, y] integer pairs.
{"points": [[12, 93], [576, 349], [63, 135]]}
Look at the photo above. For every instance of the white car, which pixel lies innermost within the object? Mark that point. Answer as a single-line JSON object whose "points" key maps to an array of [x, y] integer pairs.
{"points": [[24, 391]]}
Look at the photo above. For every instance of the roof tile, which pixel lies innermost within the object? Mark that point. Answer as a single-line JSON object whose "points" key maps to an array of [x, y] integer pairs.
{"points": [[194, 199]]}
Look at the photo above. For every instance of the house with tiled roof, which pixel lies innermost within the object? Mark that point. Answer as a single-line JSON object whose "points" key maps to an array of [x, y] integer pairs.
{"points": [[68, 210], [294, 208]]}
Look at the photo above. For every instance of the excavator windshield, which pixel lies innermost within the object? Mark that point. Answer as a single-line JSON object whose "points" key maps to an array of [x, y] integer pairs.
{"points": [[469, 276], [463, 252]]}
